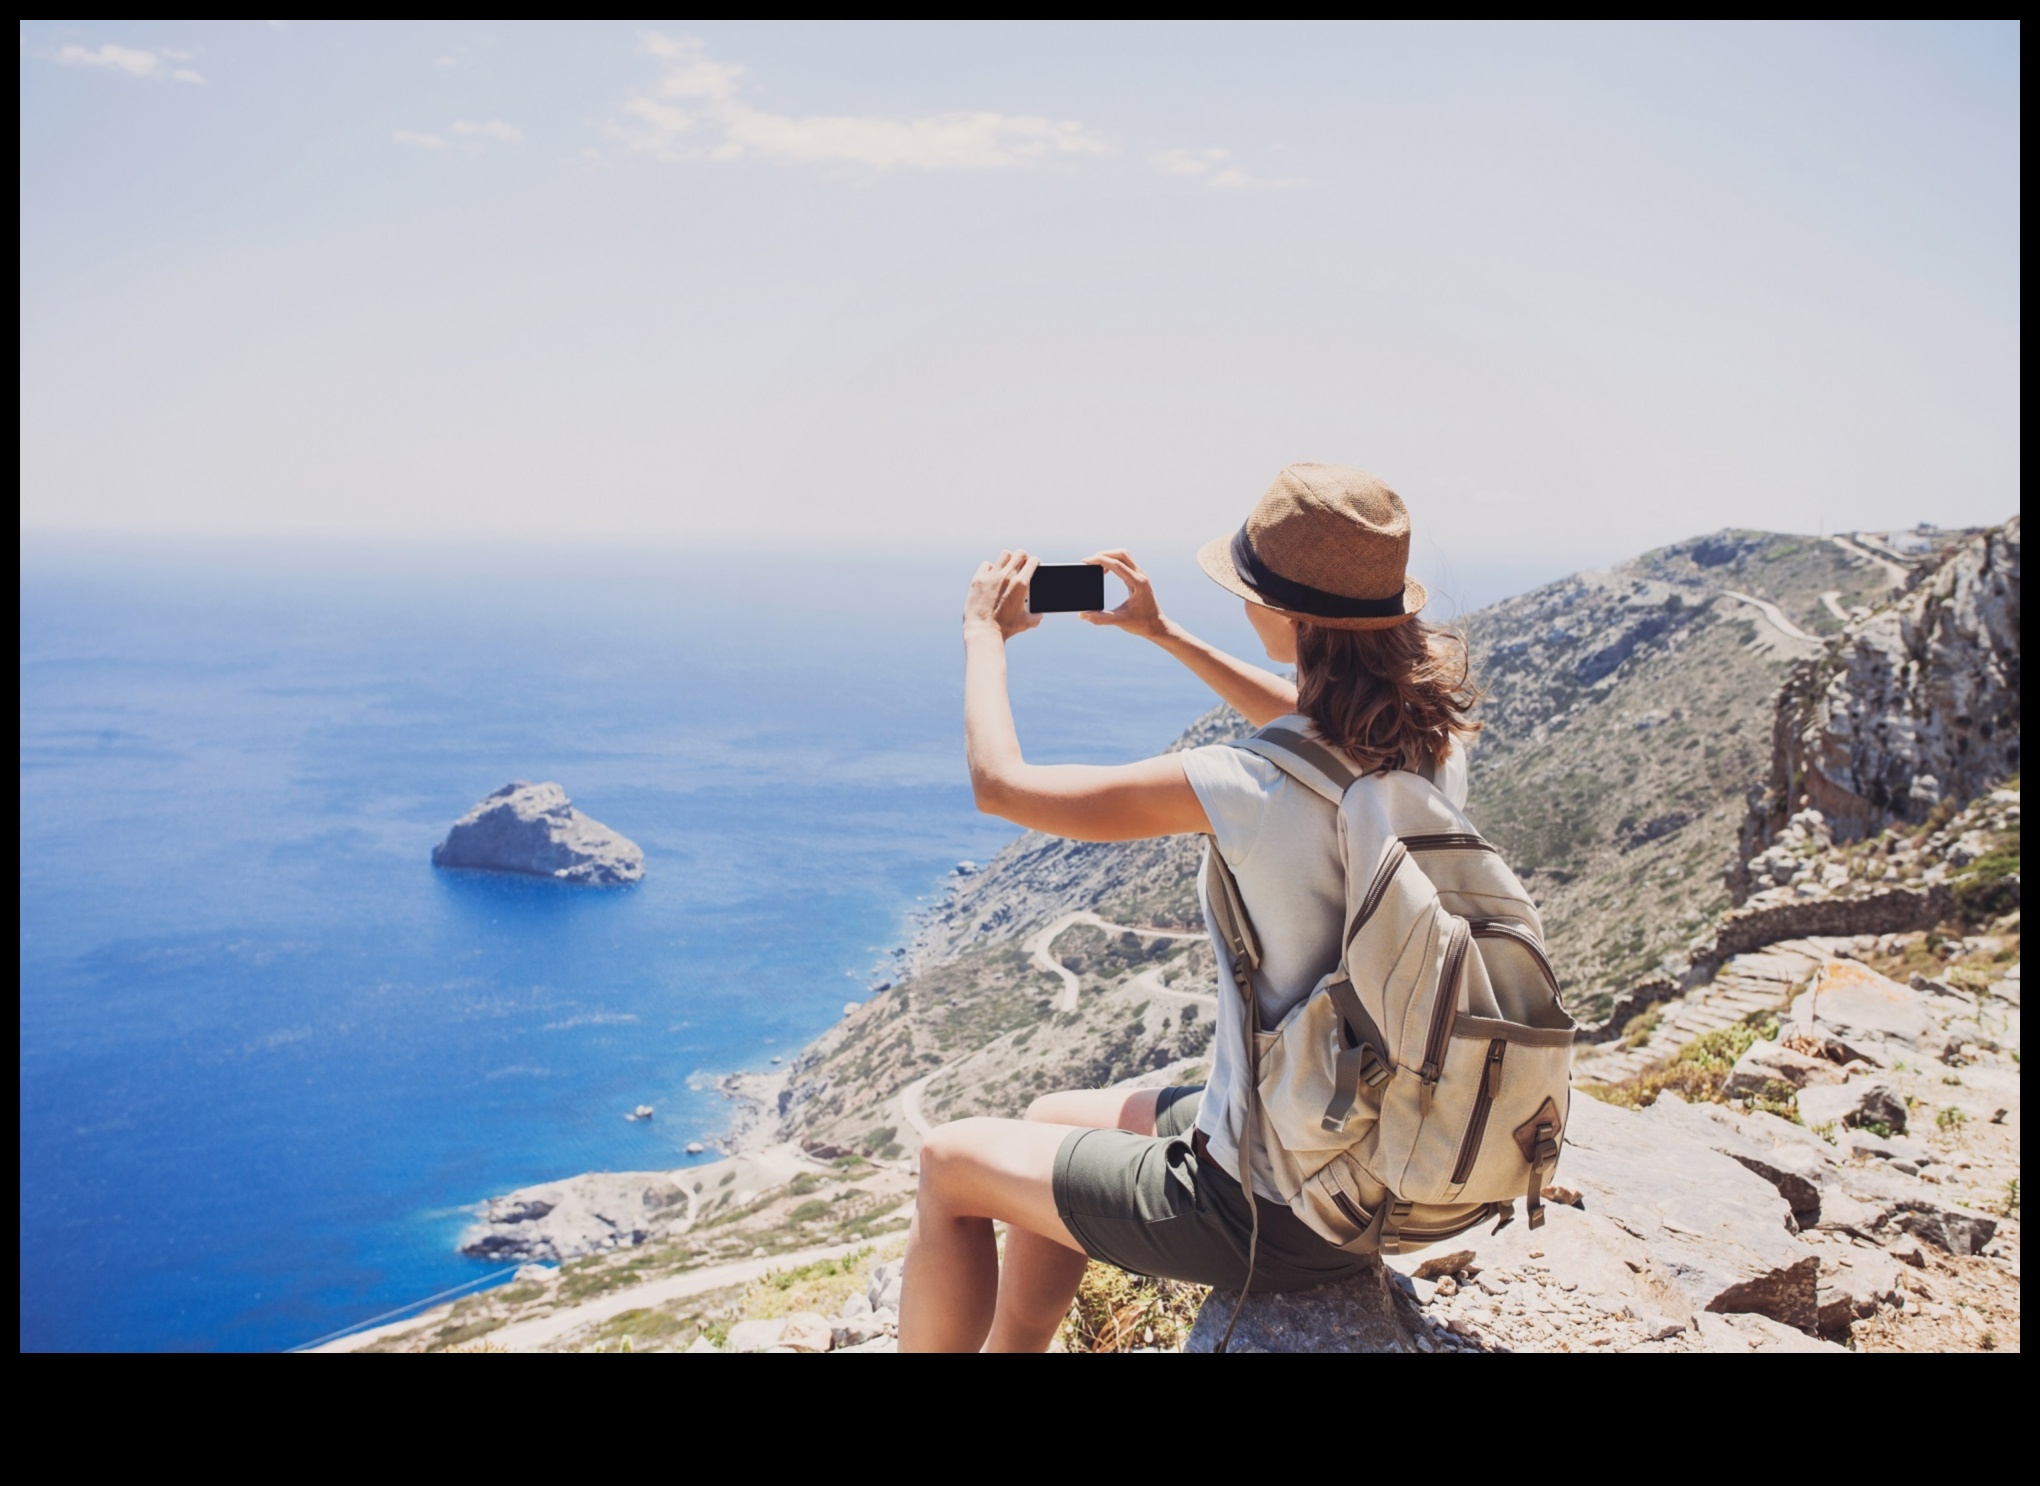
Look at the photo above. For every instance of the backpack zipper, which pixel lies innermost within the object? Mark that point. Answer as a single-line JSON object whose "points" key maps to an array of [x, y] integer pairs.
{"points": [[1362, 1219], [1476, 1123], [1506, 928], [1391, 863], [1443, 1008], [1448, 841]]}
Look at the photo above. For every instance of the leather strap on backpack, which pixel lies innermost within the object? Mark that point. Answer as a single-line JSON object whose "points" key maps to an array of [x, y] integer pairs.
{"points": [[1230, 912]]}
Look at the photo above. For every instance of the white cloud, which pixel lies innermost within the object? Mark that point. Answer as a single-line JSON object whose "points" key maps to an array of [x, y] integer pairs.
{"points": [[132, 60], [467, 134], [1213, 167], [689, 71], [496, 129], [696, 115]]}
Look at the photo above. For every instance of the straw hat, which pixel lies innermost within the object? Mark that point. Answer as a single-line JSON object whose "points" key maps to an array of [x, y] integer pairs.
{"points": [[1327, 544]]}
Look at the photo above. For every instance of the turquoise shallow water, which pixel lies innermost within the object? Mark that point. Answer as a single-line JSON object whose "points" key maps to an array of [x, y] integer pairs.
{"points": [[270, 1057]]}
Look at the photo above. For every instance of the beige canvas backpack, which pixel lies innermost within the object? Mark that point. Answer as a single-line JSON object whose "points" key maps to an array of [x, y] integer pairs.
{"points": [[1423, 1085]]}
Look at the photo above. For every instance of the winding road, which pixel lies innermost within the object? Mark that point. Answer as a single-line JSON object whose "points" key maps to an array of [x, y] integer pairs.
{"points": [[1038, 947], [1897, 574], [1775, 617]]}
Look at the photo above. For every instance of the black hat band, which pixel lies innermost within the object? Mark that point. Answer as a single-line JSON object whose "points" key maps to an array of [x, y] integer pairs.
{"points": [[1301, 597]]}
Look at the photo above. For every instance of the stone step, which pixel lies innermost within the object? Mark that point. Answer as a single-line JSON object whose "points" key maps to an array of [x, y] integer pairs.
{"points": [[1708, 1021], [1775, 990], [1749, 1002]]}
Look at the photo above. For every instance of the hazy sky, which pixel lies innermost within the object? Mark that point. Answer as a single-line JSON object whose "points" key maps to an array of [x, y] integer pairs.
{"points": [[1574, 290]]}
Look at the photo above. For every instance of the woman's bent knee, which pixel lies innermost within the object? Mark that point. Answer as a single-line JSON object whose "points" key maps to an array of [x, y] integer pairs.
{"points": [[951, 1146]]}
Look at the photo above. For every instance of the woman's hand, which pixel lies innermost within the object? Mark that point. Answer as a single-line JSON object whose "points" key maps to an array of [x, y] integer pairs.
{"points": [[1140, 614], [998, 595]]}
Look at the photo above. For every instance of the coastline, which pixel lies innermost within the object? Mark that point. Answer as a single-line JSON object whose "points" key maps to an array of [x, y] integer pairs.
{"points": [[755, 1100]]}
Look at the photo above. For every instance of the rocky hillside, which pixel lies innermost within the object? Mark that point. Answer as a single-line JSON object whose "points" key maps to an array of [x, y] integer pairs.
{"points": [[1628, 713], [1758, 1050], [1915, 704]]}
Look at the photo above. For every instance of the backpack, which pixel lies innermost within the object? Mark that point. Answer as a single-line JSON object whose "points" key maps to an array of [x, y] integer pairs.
{"points": [[1424, 1083]]}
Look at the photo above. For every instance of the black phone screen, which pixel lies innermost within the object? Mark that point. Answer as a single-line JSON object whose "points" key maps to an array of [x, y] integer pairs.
{"points": [[1066, 588]]}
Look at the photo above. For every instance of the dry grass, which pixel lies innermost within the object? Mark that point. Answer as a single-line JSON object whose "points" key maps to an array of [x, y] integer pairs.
{"points": [[1119, 1312]]}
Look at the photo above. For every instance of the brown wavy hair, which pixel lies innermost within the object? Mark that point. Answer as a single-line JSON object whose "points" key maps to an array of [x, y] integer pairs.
{"points": [[1391, 698]]}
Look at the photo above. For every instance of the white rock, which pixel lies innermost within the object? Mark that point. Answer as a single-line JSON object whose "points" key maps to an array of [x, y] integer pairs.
{"points": [[1854, 1288], [876, 1344], [884, 1289], [855, 1331], [1748, 1333], [1861, 1102], [755, 1336], [1766, 1064], [1715, 1232], [805, 1331]]}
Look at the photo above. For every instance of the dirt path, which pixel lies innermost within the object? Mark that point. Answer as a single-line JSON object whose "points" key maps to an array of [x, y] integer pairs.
{"points": [[529, 1336], [1776, 618], [1832, 600], [1895, 573], [1149, 981], [1038, 949], [910, 1104]]}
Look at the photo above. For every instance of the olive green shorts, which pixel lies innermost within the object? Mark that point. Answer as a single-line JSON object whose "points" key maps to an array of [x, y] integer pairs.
{"points": [[1151, 1205]]}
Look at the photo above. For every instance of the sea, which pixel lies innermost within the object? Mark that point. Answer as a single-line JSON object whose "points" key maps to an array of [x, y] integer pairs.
{"points": [[271, 1059]]}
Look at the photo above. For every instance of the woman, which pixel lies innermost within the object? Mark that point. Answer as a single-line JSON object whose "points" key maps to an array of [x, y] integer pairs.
{"points": [[1149, 1180]]}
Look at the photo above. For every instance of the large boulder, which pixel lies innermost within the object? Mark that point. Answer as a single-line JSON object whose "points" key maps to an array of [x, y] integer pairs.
{"points": [[1767, 1066], [1360, 1314], [1863, 1101], [1853, 1003], [1717, 1232], [1876, 1202], [1798, 1164], [534, 830], [1667, 1228]]}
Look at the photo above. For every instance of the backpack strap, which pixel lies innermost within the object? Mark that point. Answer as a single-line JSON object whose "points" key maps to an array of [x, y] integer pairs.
{"points": [[1303, 758], [1229, 910], [1311, 764]]}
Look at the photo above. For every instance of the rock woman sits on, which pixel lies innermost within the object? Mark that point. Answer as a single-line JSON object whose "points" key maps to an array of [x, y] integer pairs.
{"points": [[1148, 1179]]}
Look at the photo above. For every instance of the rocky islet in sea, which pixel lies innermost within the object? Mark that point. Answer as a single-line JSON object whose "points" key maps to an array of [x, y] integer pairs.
{"points": [[534, 830]]}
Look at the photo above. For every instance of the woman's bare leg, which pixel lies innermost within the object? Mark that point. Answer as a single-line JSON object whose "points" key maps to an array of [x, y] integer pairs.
{"points": [[974, 1171]]}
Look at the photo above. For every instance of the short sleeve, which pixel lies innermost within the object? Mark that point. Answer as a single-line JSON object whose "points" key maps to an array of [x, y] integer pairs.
{"points": [[1233, 786], [1452, 778]]}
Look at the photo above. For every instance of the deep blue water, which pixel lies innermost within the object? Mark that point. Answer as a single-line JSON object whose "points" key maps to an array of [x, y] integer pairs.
{"points": [[270, 1057]]}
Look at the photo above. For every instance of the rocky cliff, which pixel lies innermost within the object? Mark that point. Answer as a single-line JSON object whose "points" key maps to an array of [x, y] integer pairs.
{"points": [[1912, 705]]}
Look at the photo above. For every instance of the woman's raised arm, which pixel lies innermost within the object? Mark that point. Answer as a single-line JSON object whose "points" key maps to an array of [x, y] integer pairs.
{"points": [[1085, 802], [1258, 695]]}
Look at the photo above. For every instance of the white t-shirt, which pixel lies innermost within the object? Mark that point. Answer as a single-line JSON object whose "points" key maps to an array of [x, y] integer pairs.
{"points": [[1281, 840]]}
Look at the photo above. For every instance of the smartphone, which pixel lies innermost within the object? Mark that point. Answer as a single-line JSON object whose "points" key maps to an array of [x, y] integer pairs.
{"points": [[1066, 588]]}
